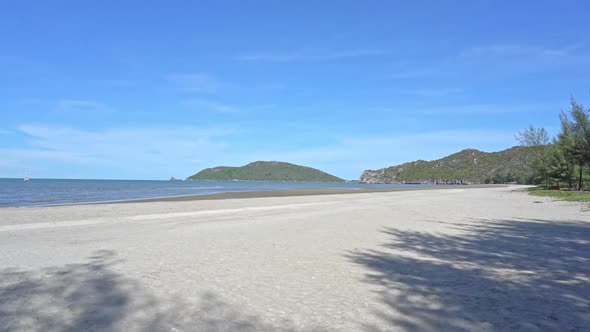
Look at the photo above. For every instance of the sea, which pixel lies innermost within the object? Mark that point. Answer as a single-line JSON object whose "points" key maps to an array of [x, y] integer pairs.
{"points": [[46, 192]]}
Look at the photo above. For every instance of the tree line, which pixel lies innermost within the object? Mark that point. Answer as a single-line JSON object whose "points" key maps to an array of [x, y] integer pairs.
{"points": [[561, 160]]}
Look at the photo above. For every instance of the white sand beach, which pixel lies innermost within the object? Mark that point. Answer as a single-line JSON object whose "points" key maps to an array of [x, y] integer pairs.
{"points": [[481, 259]]}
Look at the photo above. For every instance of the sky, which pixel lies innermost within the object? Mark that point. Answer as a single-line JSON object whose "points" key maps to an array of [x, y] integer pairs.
{"points": [[154, 89]]}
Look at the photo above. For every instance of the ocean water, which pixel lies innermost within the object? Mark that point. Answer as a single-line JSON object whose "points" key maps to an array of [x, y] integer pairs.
{"points": [[43, 192]]}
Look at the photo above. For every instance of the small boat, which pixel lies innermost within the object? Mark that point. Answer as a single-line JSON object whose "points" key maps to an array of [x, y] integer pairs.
{"points": [[26, 178]]}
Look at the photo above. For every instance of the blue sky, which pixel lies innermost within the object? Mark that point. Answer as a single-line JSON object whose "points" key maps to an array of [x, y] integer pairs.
{"points": [[149, 90]]}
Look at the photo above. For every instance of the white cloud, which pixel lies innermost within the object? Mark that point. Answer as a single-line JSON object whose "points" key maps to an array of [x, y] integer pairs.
{"points": [[181, 151], [411, 72], [500, 59], [452, 111], [69, 106], [118, 152], [195, 82], [209, 105], [116, 83], [301, 55], [80, 106], [349, 156], [481, 109], [431, 92], [528, 55]]}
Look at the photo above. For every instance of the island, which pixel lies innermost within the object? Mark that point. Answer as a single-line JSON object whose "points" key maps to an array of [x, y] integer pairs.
{"points": [[265, 171]]}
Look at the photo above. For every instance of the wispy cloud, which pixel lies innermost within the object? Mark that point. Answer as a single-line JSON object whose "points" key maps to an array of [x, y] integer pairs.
{"points": [[5, 132], [116, 83], [526, 54], [81, 106], [431, 92], [195, 82], [469, 109], [490, 109], [499, 59], [349, 156], [209, 105], [132, 152], [141, 152], [411, 72], [69, 106], [307, 55]]}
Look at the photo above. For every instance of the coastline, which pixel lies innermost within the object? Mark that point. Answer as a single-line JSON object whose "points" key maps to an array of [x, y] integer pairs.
{"points": [[291, 193], [15, 193], [259, 194]]}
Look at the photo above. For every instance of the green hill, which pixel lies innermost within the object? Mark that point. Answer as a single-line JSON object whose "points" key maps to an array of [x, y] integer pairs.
{"points": [[265, 171], [472, 166]]}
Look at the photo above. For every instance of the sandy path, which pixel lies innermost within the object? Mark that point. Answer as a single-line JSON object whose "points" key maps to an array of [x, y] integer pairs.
{"points": [[455, 259]]}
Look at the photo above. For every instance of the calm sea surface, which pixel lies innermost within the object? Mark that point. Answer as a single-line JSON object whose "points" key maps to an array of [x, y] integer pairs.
{"points": [[40, 192]]}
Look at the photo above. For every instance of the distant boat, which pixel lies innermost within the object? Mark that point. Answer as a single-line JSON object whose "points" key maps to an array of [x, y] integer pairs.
{"points": [[26, 178], [175, 179]]}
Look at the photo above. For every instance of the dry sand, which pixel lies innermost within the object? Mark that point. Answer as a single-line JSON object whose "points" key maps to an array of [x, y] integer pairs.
{"points": [[483, 259]]}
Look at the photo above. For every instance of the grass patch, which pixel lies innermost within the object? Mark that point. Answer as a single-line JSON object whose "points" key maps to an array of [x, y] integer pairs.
{"points": [[565, 195]]}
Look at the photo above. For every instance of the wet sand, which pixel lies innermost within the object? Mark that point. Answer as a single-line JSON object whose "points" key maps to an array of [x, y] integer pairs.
{"points": [[453, 259], [305, 192]]}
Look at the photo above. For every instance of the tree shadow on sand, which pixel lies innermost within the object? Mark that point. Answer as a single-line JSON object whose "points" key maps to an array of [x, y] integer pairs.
{"points": [[92, 296], [496, 275]]}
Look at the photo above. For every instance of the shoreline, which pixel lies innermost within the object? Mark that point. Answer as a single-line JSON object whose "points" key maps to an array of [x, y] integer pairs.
{"points": [[296, 192], [260, 194]]}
